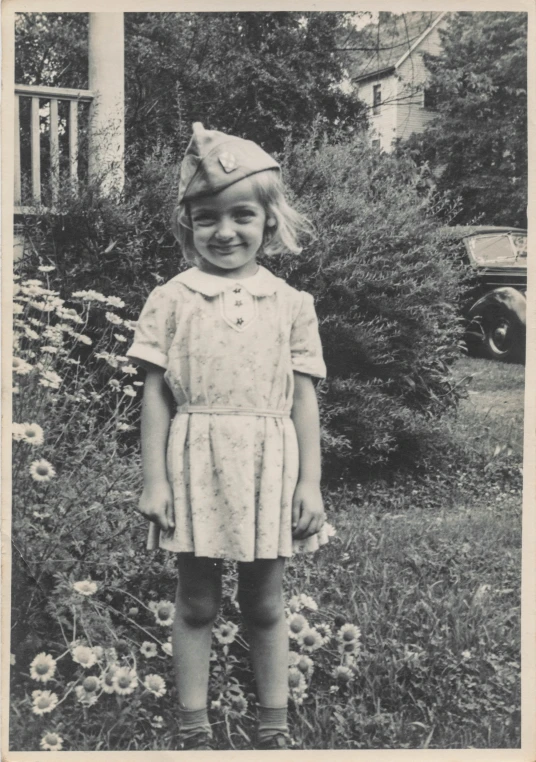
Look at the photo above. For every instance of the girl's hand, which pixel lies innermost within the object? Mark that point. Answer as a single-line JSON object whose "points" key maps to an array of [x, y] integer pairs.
{"points": [[307, 510], [156, 504]]}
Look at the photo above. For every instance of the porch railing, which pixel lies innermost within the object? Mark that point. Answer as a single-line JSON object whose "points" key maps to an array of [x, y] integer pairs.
{"points": [[53, 95]]}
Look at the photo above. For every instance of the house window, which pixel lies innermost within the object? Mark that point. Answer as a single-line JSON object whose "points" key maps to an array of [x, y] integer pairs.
{"points": [[430, 98], [376, 144], [376, 98]]}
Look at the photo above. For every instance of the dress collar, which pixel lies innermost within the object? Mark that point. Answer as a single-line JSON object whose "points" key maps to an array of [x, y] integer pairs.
{"points": [[263, 283]]}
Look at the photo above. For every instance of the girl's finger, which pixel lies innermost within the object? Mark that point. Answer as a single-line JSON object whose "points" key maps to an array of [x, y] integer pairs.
{"points": [[296, 509], [303, 525], [170, 515]]}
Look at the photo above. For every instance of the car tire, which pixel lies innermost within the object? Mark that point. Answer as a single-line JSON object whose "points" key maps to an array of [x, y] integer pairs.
{"points": [[503, 337]]}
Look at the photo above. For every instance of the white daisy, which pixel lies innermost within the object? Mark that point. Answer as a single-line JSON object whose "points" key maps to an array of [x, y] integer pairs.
{"points": [[46, 268], [89, 295], [310, 639], [295, 605], [157, 721], [85, 587], [85, 697], [32, 433], [348, 632], [52, 742], [308, 602], [67, 313], [42, 470], [125, 681], [297, 624], [44, 701], [84, 655], [50, 379], [113, 319], [306, 666], [350, 647], [296, 680], [129, 391], [107, 679], [343, 674], [130, 370], [324, 630], [155, 684], [148, 649], [163, 611], [226, 633], [115, 301], [83, 339], [118, 337], [43, 667], [20, 366], [167, 648]]}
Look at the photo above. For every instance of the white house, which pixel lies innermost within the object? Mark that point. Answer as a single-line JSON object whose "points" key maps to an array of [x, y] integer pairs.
{"points": [[396, 89]]}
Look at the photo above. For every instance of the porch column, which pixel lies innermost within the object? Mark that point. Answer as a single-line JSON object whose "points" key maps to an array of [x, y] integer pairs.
{"points": [[107, 81]]}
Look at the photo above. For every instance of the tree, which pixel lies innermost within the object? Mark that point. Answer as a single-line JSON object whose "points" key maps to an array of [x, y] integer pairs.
{"points": [[477, 144], [266, 76]]}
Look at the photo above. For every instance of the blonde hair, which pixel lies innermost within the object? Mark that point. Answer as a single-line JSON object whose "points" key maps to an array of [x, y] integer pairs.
{"points": [[281, 237]]}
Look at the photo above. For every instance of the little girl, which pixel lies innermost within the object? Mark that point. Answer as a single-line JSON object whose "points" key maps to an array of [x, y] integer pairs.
{"points": [[230, 432]]}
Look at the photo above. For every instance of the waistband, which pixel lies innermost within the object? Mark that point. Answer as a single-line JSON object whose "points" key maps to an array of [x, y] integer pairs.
{"points": [[186, 409]]}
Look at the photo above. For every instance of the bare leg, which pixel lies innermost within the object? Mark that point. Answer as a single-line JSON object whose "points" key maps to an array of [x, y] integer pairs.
{"points": [[260, 594], [197, 603]]}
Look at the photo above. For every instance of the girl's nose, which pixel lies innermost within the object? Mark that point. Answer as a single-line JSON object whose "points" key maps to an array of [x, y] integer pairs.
{"points": [[225, 230]]}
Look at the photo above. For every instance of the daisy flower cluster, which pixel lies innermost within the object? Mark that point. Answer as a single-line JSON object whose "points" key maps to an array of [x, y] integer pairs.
{"points": [[313, 645], [99, 672], [49, 336]]}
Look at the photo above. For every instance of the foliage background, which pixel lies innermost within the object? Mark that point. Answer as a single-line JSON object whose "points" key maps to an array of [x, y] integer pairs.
{"points": [[478, 143]]}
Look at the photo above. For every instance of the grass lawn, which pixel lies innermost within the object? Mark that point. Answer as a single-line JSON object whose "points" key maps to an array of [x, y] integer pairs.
{"points": [[427, 567], [430, 571]]}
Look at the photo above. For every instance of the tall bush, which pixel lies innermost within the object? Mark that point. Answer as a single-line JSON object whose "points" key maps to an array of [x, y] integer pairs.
{"points": [[386, 287]]}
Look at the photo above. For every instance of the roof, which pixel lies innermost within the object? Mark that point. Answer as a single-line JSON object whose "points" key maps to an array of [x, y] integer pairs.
{"points": [[395, 42], [463, 231]]}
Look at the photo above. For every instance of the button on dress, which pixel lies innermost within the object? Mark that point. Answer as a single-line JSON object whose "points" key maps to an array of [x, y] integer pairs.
{"points": [[229, 349]]}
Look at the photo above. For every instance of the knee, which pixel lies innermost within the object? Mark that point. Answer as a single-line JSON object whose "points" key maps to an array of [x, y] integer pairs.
{"points": [[198, 611], [262, 612]]}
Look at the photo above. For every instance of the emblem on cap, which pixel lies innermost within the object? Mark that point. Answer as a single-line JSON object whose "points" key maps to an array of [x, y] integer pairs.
{"points": [[228, 161]]}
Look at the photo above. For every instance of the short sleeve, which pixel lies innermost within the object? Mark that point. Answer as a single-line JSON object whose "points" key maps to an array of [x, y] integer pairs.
{"points": [[155, 329], [305, 346]]}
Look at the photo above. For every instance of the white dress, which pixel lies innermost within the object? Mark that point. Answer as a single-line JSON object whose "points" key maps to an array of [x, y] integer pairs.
{"points": [[229, 348]]}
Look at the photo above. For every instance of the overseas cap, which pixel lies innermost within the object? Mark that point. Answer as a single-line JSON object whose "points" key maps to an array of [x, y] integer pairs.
{"points": [[213, 161]]}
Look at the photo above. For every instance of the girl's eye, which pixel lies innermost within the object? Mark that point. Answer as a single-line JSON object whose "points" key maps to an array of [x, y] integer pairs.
{"points": [[245, 215], [203, 219]]}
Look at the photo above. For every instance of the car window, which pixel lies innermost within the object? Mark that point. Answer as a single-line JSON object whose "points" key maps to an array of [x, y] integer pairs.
{"points": [[500, 250]]}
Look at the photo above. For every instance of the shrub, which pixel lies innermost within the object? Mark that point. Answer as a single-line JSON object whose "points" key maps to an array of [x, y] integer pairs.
{"points": [[386, 287]]}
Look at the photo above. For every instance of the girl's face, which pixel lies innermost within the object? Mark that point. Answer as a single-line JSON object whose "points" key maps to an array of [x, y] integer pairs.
{"points": [[228, 230]]}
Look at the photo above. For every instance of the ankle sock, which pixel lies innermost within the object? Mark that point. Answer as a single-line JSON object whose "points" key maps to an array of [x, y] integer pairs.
{"points": [[194, 719], [272, 720]]}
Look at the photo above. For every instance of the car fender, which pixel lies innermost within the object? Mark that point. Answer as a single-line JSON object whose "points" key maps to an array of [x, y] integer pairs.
{"points": [[510, 298]]}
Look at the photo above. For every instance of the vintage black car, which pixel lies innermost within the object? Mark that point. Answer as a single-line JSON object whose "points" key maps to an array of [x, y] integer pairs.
{"points": [[495, 306]]}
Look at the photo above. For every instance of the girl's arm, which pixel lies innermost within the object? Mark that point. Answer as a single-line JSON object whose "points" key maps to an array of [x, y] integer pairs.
{"points": [[156, 501], [307, 506]]}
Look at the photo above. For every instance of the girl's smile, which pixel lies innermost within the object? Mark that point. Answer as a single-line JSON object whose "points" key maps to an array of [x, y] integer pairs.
{"points": [[228, 230]]}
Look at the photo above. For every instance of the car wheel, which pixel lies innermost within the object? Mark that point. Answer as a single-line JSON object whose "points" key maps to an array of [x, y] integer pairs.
{"points": [[503, 336]]}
